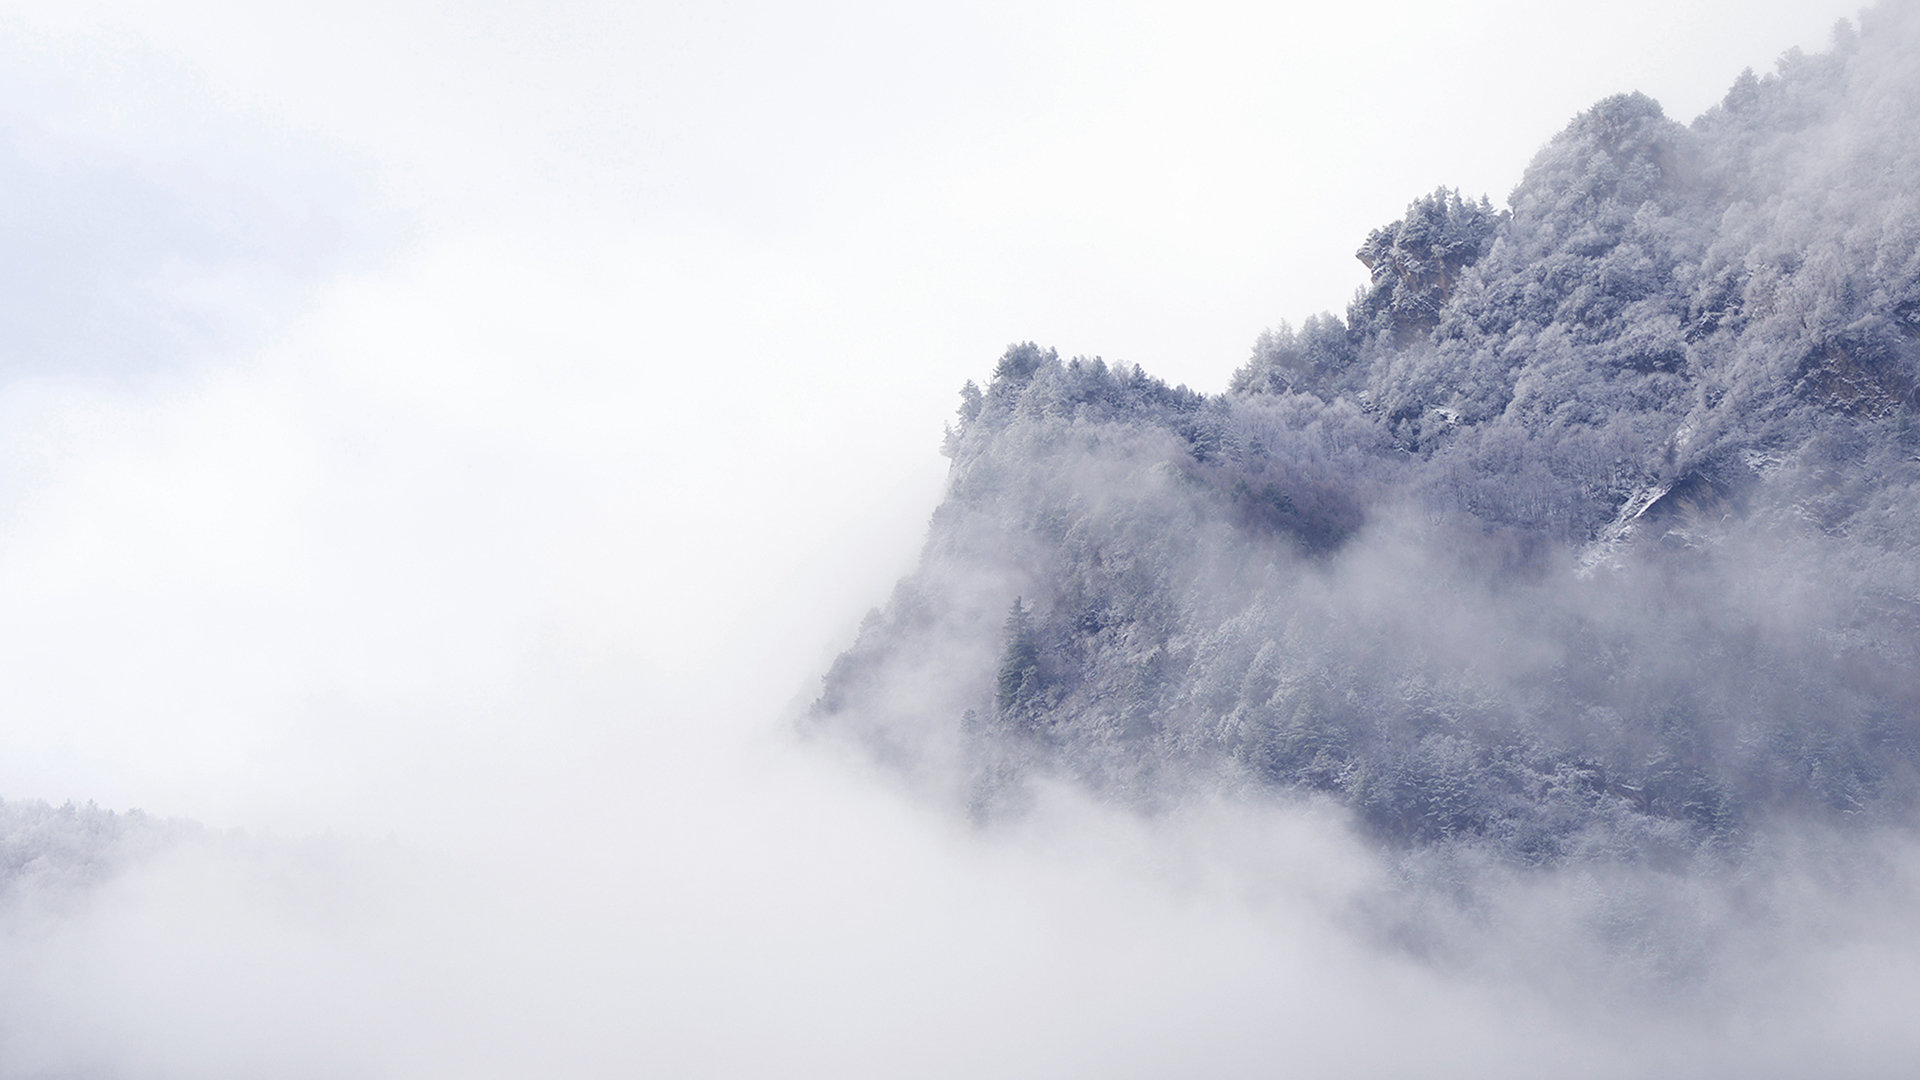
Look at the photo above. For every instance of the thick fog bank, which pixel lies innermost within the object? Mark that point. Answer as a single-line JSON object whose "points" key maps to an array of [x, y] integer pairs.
{"points": [[741, 914]]}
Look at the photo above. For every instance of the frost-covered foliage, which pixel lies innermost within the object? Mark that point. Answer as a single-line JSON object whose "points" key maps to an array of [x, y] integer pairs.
{"points": [[1319, 359], [1416, 263], [51, 851], [1593, 531]]}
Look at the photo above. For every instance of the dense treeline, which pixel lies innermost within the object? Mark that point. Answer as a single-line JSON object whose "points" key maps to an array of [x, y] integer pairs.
{"points": [[54, 849], [1590, 530]]}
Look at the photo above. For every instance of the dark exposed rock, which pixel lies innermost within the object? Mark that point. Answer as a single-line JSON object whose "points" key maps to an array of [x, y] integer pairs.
{"points": [[1416, 262]]}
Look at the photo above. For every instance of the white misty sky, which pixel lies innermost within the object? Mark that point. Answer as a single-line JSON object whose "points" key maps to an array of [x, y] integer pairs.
{"points": [[370, 368]]}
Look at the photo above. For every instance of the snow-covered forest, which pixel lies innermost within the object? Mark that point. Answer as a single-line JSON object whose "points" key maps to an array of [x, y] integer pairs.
{"points": [[1591, 531]]}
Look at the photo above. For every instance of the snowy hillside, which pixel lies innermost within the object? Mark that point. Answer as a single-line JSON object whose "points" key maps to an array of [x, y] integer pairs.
{"points": [[1590, 531]]}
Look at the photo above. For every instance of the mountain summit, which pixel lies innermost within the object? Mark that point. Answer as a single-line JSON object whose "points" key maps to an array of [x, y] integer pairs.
{"points": [[1591, 530]]}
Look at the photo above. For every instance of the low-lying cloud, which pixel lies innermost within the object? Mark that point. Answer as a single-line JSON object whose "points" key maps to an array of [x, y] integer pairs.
{"points": [[766, 909]]}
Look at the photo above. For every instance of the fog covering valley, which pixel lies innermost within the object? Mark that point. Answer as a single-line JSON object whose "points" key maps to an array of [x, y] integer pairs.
{"points": [[483, 591]]}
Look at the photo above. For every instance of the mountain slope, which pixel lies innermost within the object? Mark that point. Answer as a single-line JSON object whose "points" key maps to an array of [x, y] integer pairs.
{"points": [[1590, 531]]}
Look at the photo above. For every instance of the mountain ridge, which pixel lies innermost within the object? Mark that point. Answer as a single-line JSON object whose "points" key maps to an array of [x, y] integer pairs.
{"points": [[1589, 532]]}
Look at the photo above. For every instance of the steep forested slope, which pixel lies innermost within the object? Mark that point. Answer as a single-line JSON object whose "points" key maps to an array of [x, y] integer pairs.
{"points": [[1590, 530]]}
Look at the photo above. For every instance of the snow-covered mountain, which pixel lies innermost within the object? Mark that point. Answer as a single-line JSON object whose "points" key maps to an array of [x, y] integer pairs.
{"points": [[1592, 530]]}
